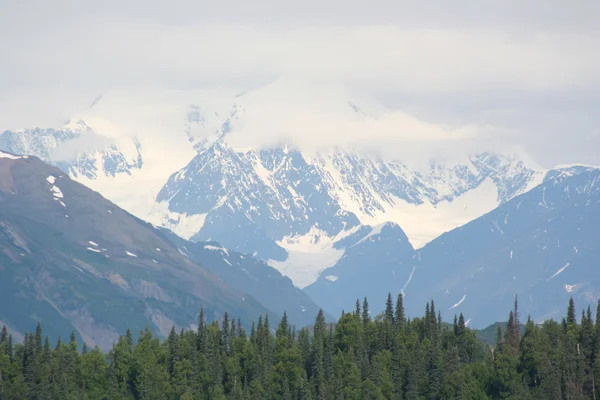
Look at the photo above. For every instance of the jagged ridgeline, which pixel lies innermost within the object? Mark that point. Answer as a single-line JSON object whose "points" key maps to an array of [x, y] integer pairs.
{"points": [[360, 357]]}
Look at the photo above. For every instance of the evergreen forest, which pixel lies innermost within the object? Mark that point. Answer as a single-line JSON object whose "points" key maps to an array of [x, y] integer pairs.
{"points": [[387, 356]]}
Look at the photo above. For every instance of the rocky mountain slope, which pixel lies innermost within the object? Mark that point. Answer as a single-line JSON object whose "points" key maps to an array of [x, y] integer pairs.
{"points": [[372, 264], [541, 245], [249, 275], [74, 260]]}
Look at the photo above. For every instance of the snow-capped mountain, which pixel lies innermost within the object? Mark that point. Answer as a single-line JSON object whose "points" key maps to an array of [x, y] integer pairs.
{"points": [[76, 150], [254, 183], [372, 264], [541, 245], [281, 202]]}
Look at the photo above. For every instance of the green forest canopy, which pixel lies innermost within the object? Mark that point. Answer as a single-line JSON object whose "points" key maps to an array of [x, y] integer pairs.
{"points": [[388, 357]]}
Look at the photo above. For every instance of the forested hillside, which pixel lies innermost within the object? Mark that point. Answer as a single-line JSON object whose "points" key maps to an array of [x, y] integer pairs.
{"points": [[360, 357]]}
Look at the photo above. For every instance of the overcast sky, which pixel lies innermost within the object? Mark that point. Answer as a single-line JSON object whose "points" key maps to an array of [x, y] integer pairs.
{"points": [[531, 68]]}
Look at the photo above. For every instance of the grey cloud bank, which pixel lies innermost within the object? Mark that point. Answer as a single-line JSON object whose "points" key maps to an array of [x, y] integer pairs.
{"points": [[528, 68]]}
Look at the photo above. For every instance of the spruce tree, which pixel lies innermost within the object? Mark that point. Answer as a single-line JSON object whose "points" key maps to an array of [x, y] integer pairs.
{"points": [[366, 316], [400, 319], [571, 318], [201, 337], [389, 308]]}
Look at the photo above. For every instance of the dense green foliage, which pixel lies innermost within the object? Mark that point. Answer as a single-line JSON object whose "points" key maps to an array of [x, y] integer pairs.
{"points": [[388, 357]]}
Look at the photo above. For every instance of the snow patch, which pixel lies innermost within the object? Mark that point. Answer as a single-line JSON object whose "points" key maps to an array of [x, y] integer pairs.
{"points": [[56, 192], [94, 250], [309, 255], [424, 222], [332, 278], [216, 248], [93, 243], [183, 225], [559, 271], [409, 279], [131, 254], [376, 230], [9, 156], [459, 302]]}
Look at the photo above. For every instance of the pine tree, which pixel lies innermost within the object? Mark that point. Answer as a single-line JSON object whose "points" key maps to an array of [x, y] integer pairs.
{"points": [[38, 339], [499, 338], [389, 309], [4, 340], [517, 323], [366, 316], [571, 319], [455, 326], [225, 335], [400, 319]]}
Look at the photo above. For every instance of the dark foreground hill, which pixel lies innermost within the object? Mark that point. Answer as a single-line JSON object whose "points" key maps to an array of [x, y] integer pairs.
{"points": [[74, 261]]}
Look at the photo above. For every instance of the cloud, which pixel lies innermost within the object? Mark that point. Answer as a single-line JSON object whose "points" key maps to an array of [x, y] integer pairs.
{"points": [[527, 67], [87, 141]]}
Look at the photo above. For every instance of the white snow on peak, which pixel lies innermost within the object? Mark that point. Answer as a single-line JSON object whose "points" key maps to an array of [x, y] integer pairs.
{"points": [[376, 230], [332, 278], [130, 254], [51, 179], [94, 250], [459, 302], [93, 243]]}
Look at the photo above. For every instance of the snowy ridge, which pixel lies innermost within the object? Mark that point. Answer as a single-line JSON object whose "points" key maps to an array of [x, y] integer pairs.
{"points": [[76, 149], [296, 205]]}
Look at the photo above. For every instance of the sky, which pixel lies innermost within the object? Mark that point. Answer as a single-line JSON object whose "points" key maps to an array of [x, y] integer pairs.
{"points": [[524, 72]]}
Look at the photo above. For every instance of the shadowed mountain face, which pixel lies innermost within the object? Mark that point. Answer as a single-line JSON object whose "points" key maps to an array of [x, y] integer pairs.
{"points": [[374, 263], [243, 272], [73, 260], [542, 246]]}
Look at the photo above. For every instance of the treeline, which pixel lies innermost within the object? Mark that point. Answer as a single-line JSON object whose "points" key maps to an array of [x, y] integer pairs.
{"points": [[386, 357]]}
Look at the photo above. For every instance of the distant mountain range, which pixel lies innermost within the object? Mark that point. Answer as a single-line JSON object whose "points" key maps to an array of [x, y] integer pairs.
{"points": [[340, 224], [541, 246], [283, 205]]}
